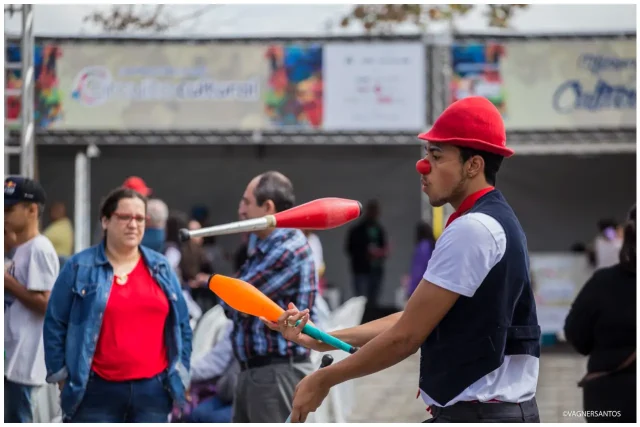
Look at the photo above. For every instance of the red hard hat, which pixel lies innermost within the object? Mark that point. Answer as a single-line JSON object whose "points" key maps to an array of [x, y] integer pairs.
{"points": [[137, 184], [472, 122]]}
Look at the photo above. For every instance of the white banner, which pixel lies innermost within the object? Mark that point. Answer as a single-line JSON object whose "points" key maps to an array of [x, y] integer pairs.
{"points": [[374, 86], [557, 279]]}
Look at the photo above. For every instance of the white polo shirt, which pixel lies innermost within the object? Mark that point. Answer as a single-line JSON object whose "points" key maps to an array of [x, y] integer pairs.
{"points": [[464, 254]]}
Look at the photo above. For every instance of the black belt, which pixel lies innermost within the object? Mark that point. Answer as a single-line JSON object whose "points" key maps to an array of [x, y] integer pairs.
{"points": [[259, 361], [469, 411]]}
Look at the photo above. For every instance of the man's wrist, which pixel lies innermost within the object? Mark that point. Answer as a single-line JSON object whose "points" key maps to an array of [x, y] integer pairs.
{"points": [[329, 376]]}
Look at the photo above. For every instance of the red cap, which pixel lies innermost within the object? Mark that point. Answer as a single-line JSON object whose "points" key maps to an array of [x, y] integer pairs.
{"points": [[472, 122], [137, 184]]}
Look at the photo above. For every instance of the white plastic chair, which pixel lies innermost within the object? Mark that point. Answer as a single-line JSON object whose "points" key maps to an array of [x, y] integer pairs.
{"points": [[341, 397], [348, 314], [208, 331]]}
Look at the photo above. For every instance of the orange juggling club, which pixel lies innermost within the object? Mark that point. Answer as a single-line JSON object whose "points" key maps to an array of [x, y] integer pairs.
{"points": [[248, 299]]}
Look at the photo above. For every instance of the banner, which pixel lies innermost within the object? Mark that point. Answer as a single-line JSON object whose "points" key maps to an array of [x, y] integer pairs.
{"points": [[374, 86], [546, 85], [294, 95], [557, 279], [162, 86], [47, 96]]}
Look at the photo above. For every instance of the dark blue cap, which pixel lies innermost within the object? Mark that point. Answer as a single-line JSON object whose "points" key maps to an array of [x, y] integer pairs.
{"points": [[20, 189]]}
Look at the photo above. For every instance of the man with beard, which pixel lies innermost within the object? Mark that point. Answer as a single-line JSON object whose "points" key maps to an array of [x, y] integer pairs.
{"points": [[473, 314]]}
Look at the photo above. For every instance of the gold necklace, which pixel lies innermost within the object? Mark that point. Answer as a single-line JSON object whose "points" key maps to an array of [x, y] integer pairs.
{"points": [[122, 279]]}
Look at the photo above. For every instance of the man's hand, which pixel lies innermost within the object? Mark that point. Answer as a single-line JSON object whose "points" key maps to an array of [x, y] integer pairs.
{"points": [[285, 326], [309, 394], [61, 385]]}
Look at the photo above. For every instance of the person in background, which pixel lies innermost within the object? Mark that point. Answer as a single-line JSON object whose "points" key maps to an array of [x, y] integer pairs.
{"points": [[367, 248], [117, 338], [60, 230], [173, 244], [601, 324], [154, 233], [280, 264], [200, 270], [137, 184], [425, 243], [318, 257], [218, 370], [175, 252], [240, 255], [606, 246], [28, 281]]}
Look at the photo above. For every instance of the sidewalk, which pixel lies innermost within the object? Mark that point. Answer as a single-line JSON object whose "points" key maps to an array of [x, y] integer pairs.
{"points": [[390, 395]]}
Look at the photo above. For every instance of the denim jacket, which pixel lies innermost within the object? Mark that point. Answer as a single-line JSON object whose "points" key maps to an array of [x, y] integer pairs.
{"points": [[74, 317]]}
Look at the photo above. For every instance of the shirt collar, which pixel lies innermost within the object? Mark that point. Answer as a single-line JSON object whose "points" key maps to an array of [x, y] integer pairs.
{"points": [[468, 203], [266, 244]]}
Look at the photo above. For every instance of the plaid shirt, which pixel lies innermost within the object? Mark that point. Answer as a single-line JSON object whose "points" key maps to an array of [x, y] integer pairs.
{"points": [[282, 267]]}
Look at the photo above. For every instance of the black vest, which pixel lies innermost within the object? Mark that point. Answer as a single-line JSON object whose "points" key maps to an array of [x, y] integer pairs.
{"points": [[500, 319]]}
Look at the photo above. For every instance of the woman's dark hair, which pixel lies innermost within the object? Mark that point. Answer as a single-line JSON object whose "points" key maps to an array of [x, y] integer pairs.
{"points": [[191, 255], [605, 223], [424, 232], [492, 162], [110, 203], [275, 187], [628, 250], [175, 222]]}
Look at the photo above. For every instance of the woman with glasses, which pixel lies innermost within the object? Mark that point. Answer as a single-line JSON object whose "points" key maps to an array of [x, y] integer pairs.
{"points": [[116, 332]]}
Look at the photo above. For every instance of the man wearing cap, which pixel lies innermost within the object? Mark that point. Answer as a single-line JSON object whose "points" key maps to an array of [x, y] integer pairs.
{"points": [[28, 280], [473, 315]]}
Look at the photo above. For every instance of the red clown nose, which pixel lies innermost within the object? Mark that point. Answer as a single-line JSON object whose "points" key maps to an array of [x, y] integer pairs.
{"points": [[423, 167]]}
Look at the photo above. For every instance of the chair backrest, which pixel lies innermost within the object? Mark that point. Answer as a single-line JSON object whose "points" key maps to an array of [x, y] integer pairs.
{"points": [[349, 314], [208, 331]]}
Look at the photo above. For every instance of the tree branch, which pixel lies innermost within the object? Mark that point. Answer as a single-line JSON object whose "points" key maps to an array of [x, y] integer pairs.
{"points": [[383, 18]]}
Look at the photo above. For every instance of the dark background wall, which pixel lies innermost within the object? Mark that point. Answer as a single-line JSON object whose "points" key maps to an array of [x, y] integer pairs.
{"points": [[557, 198]]}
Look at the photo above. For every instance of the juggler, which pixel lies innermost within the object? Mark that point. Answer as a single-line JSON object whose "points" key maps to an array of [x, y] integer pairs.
{"points": [[473, 315]]}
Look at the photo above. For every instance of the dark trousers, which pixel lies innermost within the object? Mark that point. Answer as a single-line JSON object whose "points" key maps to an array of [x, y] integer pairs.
{"points": [[18, 402], [611, 399], [368, 285], [138, 401], [467, 412], [212, 410]]}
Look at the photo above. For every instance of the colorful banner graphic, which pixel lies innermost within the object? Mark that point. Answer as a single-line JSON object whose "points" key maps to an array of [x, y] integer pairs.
{"points": [[47, 102], [547, 85], [294, 89], [476, 72], [375, 86], [162, 86]]}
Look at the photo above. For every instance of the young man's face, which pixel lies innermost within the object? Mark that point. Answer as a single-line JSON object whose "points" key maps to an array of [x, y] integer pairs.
{"points": [[16, 217], [446, 179]]}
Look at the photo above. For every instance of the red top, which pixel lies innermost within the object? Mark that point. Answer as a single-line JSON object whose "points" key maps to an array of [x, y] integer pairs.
{"points": [[468, 204], [131, 344]]}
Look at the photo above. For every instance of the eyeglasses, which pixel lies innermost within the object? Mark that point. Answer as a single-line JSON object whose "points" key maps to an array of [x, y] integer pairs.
{"points": [[126, 218]]}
